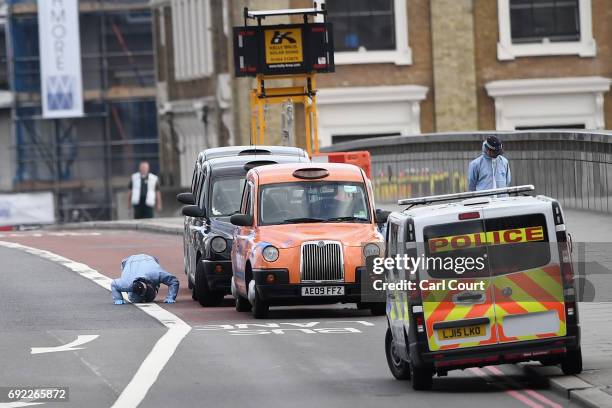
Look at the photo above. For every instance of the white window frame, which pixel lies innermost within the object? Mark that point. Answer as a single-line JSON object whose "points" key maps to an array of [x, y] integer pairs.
{"points": [[554, 102], [192, 39], [402, 55], [359, 98], [506, 50]]}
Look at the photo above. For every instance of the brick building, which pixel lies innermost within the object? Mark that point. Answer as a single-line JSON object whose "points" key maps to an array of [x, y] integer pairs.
{"points": [[404, 67]]}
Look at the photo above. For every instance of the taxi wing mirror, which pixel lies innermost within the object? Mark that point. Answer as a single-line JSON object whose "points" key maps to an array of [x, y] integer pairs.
{"points": [[382, 216], [185, 198], [193, 211], [242, 220]]}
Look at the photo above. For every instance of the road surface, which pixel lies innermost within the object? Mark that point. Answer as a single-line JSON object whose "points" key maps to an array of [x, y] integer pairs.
{"points": [[299, 357]]}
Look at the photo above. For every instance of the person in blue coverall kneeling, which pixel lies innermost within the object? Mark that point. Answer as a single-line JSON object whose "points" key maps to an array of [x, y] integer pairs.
{"points": [[141, 276]]}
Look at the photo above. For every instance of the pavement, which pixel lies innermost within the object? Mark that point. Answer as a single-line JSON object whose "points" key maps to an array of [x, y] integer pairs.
{"points": [[328, 356]]}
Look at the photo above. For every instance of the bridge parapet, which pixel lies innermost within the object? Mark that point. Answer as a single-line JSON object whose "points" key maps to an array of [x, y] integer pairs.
{"points": [[572, 166]]}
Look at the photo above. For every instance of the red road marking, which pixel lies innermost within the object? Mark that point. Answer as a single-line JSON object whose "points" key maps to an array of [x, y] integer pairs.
{"points": [[534, 394], [517, 395]]}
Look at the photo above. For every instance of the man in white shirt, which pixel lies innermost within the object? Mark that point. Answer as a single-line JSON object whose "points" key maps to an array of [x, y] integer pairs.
{"points": [[144, 194]]}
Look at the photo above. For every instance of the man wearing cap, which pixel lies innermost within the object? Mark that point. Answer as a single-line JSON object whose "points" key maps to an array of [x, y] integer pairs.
{"points": [[141, 276], [490, 169]]}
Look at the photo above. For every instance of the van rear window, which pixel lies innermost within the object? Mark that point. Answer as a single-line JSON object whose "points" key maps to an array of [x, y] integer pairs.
{"points": [[531, 251], [509, 244]]}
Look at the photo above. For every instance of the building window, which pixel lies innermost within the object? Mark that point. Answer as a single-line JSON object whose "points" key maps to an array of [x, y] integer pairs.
{"points": [[192, 39], [362, 25], [544, 27], [370, 31], [571, 102], [535, 20]]}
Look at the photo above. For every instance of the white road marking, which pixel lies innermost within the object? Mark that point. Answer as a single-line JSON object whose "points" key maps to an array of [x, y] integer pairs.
{"points": [[254, 329], [135, 392], [80, 340], [18, 404]]}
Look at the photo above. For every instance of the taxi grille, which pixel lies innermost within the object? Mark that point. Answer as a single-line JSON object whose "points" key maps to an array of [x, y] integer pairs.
{"points": [[322, 262]]}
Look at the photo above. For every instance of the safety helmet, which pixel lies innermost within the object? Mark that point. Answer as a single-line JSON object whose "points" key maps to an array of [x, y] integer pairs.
{"points": [[495, 145]]}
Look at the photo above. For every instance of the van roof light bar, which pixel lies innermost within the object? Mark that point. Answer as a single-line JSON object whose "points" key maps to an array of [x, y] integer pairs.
{"points": [[467, 194]]}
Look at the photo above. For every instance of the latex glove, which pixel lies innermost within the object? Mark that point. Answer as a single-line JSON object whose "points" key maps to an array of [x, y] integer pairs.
{"points": [[119, 302], [169, 301]]}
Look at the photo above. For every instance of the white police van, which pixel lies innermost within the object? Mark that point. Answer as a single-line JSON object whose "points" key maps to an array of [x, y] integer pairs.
{"points": [[512, 253]]}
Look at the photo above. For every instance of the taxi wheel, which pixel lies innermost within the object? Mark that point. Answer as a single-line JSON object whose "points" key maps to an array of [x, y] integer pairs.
{"points": [[422, 377], [398, 367], [260, 308], [189, 282], [378, 309], [204, 295], [572, 363], [242, 304]]}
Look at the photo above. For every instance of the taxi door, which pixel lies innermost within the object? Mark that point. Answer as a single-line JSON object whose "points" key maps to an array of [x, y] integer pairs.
{"points": [[243, 240], [525, 273], [456, 318]]}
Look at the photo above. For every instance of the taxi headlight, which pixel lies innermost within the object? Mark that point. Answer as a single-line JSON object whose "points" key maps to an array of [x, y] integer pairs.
{"points": [[270, 253], [218, 244], [371, 250]]}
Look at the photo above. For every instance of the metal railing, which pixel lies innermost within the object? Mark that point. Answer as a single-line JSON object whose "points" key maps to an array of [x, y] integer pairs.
{"points": [[574, 167]]}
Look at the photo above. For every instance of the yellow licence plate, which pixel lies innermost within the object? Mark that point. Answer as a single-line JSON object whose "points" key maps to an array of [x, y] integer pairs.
{"points": [[462, 332]]}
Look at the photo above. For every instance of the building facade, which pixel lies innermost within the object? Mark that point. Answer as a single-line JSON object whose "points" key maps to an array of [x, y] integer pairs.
{"points": [[86, 161], [193, 84], [420, 66], [402, 67]]}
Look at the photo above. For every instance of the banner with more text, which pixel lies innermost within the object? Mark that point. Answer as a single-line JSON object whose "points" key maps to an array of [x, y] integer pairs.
{"points": [[60, 59]]}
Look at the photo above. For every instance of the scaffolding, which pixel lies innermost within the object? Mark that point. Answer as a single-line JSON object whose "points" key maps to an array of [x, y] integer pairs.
{"points": [[86, 161]]}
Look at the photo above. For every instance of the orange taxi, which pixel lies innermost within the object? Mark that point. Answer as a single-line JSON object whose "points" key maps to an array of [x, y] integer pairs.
{"points": [[304, 232]]}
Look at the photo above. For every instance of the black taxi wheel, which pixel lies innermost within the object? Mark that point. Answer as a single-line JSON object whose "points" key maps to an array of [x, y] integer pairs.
{"points": [[260, 308], [189, 282], [242, 304], [378, 309], [572, 363], [202, 292], [398, 367]]}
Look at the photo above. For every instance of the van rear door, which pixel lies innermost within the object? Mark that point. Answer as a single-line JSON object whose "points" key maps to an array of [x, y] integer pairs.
{"points": [[525, 274], [456, 318]]}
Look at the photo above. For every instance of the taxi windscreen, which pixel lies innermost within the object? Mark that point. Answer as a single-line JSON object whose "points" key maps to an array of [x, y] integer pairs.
{"points": [[313, 201], [508, 244], [226, 196]]}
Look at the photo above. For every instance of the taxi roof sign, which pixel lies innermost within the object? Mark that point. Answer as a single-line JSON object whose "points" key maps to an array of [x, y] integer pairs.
{"points": [[467, 194]]}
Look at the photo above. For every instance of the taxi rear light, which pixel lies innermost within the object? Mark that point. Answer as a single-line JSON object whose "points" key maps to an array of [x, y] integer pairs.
{"points": [[469, 215], [311, 173]]}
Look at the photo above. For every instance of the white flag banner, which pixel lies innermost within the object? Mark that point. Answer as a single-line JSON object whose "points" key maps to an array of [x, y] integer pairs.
{"points": [[61, 80], [27, 209]]}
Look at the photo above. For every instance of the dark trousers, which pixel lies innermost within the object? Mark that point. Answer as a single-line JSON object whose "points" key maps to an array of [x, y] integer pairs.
{"points": [[142, 211]]}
